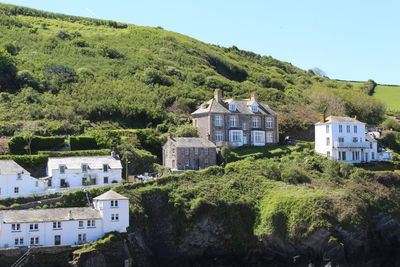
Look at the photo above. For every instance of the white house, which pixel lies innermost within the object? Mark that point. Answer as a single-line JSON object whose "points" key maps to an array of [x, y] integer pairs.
{"points": [[64, 226], [79, 171], [15, 181], [345, 139]]}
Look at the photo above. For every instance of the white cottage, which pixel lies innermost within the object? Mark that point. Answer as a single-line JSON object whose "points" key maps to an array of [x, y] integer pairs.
{"points": [[15, 181], [80, 171], [345, 139], [64, 226]]}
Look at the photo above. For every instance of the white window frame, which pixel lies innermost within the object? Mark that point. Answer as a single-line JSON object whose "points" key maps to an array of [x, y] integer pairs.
{"points": [[233, 121], [348, 128], [254, 107], [236, 136], [218, 120], [85, 167], [340, 128], [355, 128], [16, 190], [328, 141], [62, 168], [268, 123], [256, 122], [327, 128], [232, 106], [218, 136]]}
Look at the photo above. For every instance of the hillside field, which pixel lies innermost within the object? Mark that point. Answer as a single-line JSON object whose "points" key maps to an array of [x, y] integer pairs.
{"points": [[390, 95]]}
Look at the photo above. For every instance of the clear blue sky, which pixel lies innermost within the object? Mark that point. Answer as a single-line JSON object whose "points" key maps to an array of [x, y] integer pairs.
{"points": [[348, 39]]}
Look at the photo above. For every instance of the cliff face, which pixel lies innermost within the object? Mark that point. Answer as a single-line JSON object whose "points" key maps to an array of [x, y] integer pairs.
{"points": [[208, 241]]}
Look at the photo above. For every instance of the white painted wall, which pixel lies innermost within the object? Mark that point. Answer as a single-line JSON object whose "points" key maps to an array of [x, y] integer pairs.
{"points": [[69, 229], [368, 151], [74, 176], [27, 185]]}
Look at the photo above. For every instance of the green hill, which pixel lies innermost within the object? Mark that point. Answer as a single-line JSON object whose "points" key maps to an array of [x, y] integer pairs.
{"points": [[62, 74], [390, 95]]}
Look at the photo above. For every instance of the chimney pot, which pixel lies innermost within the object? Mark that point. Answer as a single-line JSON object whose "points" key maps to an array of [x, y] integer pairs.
{"points": [[208, 136]]}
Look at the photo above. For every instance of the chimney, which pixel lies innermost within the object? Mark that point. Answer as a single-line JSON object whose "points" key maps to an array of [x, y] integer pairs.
{"points": [[218, 95], [170, 136], [70, 215], [208, 136], [254, 97], [322, 118]]}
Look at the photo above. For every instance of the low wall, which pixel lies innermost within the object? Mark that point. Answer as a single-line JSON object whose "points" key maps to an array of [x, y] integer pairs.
{"points": [[10, 252]]}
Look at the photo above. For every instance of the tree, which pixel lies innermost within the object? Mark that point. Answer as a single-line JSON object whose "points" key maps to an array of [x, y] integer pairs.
{"points": [[7, 71], [28, 137], [327, 102]]}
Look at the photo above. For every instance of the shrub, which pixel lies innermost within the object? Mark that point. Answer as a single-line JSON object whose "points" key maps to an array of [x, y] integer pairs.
{"points": [[63, 35], [80, 43], [7, 70], [24, 79], [186, 130], [17, 144], [152, 76], [82, 143], [110, 52], [12, 48], [294, 175], [391, 124]]}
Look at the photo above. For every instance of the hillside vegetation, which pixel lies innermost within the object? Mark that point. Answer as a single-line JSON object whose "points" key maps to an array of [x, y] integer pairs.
{"points": [[63, 74]]}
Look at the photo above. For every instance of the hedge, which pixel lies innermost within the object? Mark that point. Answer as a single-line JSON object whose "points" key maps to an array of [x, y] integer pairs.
{"points": [[77, 153], [17, 144], [82, 143]]}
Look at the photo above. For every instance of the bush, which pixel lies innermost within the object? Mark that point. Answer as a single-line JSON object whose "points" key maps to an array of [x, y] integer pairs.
{"points": [[82, 143], [294, 175], [12, 48], [24, 79], [17, 144], [7, 70], [63, 35], [391, 124], [186, 130], [110, 52]]}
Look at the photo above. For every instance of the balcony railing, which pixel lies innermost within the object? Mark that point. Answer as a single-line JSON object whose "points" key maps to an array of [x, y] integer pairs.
{"points": [[350, 145]]}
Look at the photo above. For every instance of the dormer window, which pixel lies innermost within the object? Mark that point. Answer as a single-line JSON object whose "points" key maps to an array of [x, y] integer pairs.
{"points": [[19, 176], [254, 107], [85, 167], [232, 106]]}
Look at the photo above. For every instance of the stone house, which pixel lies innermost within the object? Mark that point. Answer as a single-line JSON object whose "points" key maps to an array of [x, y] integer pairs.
{"points": [[237, 122], [64, 226], [189, 153]]}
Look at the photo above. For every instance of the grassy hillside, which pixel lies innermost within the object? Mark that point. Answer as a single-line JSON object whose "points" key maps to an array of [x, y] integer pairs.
{"points": [[390, 95], [63, 74]]}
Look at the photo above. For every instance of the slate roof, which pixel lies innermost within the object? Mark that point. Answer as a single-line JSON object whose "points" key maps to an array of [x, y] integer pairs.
{"points": [[94, 162], [49, 215], [110, 195], [344, 120], [11, 167], [370, 138], [192, 142], [242, 106]]}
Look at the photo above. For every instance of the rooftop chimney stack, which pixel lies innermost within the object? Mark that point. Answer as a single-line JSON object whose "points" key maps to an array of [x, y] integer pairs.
{"points": [[254, 97], [218, 95], [208, 136], [322, 118], [170, 136]]}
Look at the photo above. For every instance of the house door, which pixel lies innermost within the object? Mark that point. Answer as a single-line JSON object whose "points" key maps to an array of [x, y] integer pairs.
{"points": [[57, 240], [245, 139], [366, 156], [62, 183]]}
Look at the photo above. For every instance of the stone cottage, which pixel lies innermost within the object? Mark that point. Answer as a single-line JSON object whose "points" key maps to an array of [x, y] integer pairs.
{"points": [[189, 153]]}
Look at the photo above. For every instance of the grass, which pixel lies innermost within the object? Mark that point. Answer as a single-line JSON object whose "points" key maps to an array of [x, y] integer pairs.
{"points": [[390, 95]]}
